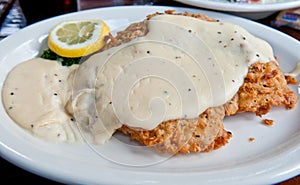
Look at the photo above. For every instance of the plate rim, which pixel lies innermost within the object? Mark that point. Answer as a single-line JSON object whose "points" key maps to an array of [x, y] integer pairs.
{"points": [[245, 8], [16, 158]]}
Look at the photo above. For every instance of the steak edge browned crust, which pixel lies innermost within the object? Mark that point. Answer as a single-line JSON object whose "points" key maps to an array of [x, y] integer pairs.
{"points": [[185, 135], [264, 86]]}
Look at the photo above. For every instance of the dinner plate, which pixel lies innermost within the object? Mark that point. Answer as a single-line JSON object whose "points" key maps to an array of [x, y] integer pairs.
{"points": [[272, 157], [248, 10]]}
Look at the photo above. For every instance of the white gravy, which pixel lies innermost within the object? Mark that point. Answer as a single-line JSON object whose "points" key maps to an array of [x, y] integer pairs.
{"points": [[34, 95], [180, 68]]}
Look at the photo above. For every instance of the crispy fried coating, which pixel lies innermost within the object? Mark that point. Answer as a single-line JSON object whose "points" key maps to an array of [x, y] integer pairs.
{"points": [[265, 86], [185, 135]]}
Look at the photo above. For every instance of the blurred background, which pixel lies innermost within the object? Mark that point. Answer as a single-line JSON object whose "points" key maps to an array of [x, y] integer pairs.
{"points": [[17, 14]]}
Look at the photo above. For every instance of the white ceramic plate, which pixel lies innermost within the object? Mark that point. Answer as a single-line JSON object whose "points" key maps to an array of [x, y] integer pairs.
{"points": [[273, 157], [249, 10]]}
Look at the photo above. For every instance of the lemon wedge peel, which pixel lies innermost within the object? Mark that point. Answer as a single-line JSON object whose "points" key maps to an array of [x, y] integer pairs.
{"points": [[78, 38]]}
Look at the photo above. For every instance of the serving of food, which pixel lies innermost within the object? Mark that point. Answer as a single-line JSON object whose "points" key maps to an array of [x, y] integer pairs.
{"points": [[168, 81]]}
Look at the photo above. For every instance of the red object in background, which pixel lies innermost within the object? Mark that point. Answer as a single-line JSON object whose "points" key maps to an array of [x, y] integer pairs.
{"points": [[36, 10], [254, 1]]}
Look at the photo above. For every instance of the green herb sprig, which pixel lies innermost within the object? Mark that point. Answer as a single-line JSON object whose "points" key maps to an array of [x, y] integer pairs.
{"points": [[65, 61]]}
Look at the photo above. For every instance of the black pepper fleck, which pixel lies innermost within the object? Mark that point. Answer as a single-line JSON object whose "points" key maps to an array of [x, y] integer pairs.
{"points": [[190, 31], [219, 32], [32, 125], [232, 39], [55, 94], [148, 52], [189, 89], [12, 93], [110, 102], [55, 75], [59, 80], [72, 119], [257, 55], [244, 38]]}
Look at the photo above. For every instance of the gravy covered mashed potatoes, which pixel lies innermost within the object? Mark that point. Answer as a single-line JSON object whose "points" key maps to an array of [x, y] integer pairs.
{"points": [[167, 81]]}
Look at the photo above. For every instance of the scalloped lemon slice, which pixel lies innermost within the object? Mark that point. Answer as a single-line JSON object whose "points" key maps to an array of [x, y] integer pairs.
{"points": [[77, 38]]}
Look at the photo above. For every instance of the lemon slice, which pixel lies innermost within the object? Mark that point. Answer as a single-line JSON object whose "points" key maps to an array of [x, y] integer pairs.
{"points": [[77, 38]]}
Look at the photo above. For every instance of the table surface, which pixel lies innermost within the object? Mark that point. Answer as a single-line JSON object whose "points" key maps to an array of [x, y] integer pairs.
{"points": [[13, 174]]}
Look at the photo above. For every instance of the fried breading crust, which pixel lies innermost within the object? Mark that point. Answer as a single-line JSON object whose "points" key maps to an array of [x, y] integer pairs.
{"points": [[183, 136], [265, 86], [177, 136]]}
